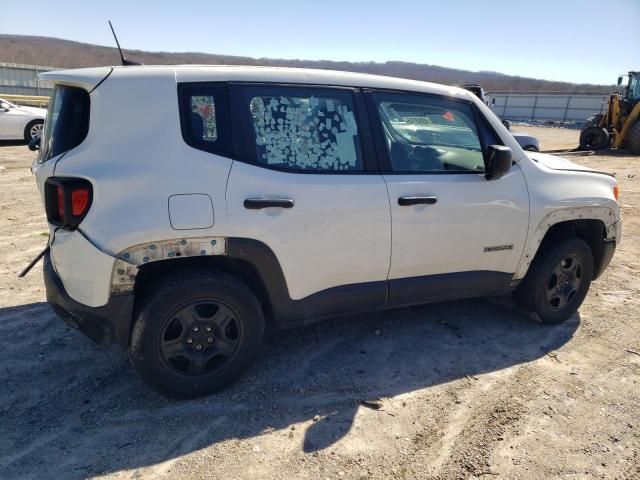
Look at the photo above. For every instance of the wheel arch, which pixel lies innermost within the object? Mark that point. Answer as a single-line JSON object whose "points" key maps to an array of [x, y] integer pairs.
{"points": [[150, 273], [593, 225]]}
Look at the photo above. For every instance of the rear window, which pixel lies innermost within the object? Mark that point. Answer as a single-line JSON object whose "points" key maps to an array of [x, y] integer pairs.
{"points": [[67, 122]]}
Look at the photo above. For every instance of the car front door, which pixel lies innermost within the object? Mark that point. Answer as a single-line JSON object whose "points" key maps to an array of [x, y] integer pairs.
{"points": [[304, 184], [454, 233], [11, 122]]}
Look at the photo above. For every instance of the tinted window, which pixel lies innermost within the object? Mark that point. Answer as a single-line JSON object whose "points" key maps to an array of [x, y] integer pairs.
{"points": [[430, 134], [303, 129], [204, 117], [67, 122]]}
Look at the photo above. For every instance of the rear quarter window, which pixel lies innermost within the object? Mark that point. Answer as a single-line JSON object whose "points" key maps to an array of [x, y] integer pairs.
{"points": [[204, 117], [67, 122]]}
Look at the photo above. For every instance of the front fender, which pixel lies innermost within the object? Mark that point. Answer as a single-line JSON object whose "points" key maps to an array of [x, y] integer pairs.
{"points": [[605, 214]]}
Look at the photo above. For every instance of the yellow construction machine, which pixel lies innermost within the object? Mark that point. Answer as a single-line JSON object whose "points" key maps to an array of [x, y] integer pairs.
{"points": [[619, 126]]}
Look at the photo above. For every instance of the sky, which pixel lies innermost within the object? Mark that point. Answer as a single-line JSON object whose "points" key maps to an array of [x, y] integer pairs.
{"points": [[581, 41]]}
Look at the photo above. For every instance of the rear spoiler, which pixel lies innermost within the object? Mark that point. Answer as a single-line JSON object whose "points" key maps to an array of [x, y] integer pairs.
{"points": [[86, 78]]}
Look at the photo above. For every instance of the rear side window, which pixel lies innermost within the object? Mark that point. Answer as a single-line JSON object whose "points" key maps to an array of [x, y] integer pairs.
{"points": [[302, 129], [204, 117], [67, 122]]}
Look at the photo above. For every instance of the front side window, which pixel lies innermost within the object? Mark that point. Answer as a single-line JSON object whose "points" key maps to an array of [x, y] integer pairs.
{"points": [[430, 134], [67, 122], [204, 117], [304, 130]]}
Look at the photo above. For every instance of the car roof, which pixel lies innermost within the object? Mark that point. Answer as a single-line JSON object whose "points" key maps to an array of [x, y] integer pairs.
{"points": [[286, 75]]}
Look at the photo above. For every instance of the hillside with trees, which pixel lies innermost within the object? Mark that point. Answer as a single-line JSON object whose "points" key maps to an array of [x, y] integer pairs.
{"points": [[68, 54]]}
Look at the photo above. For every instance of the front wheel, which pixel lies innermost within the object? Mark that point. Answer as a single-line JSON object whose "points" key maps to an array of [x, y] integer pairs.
{"points": [[196, 333], [557, 281]]}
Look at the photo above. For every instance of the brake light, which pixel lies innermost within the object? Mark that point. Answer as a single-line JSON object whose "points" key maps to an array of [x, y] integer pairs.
{"points": [[615, 192], [67, 201]]}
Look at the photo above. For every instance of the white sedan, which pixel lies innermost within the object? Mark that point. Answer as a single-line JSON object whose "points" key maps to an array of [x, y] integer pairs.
{"points": [[20, 123]]}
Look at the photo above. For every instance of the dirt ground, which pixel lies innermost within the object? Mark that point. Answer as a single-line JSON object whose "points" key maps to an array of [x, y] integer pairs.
{"points": [[467, 389]]}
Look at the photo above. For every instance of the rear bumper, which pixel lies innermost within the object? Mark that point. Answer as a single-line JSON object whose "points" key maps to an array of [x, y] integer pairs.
{"points": [[107, 324]]}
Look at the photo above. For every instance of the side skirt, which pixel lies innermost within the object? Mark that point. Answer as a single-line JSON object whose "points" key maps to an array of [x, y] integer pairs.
{"points": [[363, 297]]}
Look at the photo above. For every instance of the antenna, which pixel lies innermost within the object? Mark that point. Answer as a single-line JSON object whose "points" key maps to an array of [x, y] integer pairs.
{"points": [[125, 62]]}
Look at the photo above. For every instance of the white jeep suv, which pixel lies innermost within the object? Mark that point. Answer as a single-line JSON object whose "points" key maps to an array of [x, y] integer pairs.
{"points": [[192, 206]]}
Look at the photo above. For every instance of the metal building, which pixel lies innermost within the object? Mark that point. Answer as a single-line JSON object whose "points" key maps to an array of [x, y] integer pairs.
{"points": [[19, 79], [555, 107]]}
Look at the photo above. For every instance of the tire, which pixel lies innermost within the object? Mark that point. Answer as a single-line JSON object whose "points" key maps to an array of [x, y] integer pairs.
{"points": [[592, 121], [548, 292], [633, 138], [196, 333], [531, 148], [33, 130], [594, 138]]}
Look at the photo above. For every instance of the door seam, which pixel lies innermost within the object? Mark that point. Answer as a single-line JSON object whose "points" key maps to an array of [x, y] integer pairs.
{"points": [[387, 292]]}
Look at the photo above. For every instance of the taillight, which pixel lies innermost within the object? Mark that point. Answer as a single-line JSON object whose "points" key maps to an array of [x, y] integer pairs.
{"points": [[79, 201], [67, 201]]}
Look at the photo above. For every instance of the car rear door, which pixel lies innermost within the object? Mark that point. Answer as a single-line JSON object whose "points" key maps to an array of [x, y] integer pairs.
{"points": [[454, 233], [305, 183]]}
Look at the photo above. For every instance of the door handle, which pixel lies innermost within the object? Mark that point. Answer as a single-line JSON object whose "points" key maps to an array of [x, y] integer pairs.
{"points": [[258, 203], [415, 200]]}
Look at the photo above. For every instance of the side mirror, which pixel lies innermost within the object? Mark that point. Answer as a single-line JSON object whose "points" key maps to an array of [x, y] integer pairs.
{"points": [[34, 144], [4, 106], [499, 160], [619, 81]]}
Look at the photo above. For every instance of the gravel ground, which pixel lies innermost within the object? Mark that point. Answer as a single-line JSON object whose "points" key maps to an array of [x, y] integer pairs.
{"points": [[467, 389]]}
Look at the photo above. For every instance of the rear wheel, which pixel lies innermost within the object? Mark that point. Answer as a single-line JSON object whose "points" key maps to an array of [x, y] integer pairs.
{"points": [[557, 282], [594, 138], [196, 333], [633, 138], [33, 130]]}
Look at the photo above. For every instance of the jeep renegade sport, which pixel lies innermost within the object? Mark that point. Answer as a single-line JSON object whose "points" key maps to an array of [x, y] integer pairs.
{"points": [[190, 206]]}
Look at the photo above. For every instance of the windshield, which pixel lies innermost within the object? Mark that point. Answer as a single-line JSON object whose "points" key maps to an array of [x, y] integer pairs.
{"points": [[633, 93], [67, 122], [11, 105]]}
